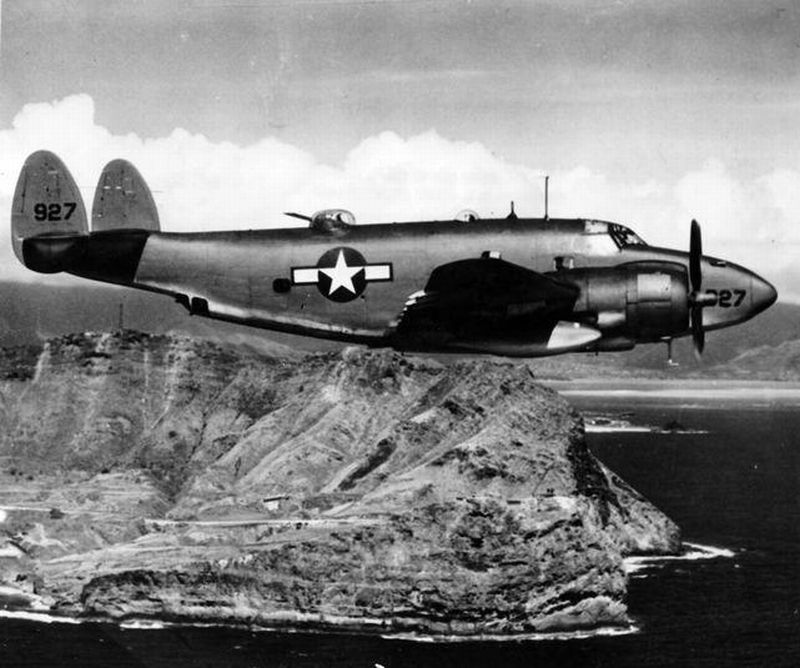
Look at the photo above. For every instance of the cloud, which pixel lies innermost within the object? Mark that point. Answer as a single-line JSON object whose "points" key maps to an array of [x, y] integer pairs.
{"points": [[712, 194], [202, 185], [756, 221]]}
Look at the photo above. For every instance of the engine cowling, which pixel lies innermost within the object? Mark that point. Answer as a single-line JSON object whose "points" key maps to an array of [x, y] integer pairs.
{"points": [[643, 301]]}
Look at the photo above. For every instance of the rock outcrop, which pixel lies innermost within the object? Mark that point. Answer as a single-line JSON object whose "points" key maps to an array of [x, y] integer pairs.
{"points": [[165, 477]]}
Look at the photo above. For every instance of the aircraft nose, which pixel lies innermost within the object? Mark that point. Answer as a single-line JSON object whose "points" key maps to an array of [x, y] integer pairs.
{"points": [[763, 294]]}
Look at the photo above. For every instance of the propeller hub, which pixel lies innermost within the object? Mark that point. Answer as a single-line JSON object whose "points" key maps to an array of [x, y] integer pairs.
{"points": [[702, 298]]}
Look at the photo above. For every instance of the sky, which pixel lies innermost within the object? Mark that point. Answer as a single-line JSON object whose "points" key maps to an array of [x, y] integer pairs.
{"points": [[646, 113]]}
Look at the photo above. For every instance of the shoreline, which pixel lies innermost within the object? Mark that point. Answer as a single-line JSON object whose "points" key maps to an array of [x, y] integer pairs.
{"points": [[634, 566], [742, 392], [709, 383], [147, 624]]}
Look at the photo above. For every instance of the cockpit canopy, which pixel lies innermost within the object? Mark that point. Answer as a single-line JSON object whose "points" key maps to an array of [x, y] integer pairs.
{"points": [[329, 220], [466, 216], [622, 236]]}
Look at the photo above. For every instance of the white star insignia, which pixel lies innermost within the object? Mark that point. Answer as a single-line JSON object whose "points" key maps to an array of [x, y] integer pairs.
{"points": [[341, 275]]}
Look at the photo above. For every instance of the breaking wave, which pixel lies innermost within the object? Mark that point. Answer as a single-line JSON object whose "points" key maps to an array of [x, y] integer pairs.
{"points": [[40, 617], [583, 634], [610, 425], [695, 552]]}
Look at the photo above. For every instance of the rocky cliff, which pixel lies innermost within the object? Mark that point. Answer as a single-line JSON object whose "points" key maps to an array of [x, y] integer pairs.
{"points": [[171, 478]]}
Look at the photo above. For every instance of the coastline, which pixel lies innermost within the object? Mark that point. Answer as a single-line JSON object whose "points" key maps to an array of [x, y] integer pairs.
{"points": [[635, 566], [679, 388]]}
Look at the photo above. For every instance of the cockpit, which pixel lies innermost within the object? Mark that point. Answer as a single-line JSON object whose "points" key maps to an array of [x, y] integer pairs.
{"points": [[621, 236], [624, 236]]}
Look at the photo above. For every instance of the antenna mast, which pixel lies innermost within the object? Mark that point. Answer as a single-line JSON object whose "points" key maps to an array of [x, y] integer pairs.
{"points": [[546, 189]]}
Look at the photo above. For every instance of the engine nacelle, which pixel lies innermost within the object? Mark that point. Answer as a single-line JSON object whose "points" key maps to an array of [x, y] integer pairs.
{"points": [[645, 301], [330, 220]]}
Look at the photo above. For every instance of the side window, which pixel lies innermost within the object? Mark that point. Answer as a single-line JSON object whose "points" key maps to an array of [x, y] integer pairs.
{"points": [[561, 262]]}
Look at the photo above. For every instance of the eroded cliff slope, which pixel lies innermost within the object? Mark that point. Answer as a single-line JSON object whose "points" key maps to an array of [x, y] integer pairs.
{"points": [[166, 477]]}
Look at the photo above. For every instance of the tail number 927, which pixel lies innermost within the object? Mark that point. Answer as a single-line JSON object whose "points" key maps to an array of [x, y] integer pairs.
{"points": [[54, 211], [728, 298]]}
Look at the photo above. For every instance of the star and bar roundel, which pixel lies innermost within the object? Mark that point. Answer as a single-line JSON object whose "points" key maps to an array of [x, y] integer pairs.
{"points": [[342, 274]]}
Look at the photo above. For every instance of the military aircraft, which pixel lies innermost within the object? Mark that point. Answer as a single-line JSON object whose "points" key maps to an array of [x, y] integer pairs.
{"points": [[509, 286]]}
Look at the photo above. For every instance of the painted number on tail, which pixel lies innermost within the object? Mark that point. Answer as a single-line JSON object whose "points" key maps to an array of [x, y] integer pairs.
{"points": [[53, 212]]}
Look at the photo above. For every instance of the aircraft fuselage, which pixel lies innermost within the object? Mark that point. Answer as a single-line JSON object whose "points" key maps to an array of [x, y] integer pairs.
{"points": [[247, 276], [510, 286]]}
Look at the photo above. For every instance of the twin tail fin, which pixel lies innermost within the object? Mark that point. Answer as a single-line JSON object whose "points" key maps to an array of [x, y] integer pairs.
{"points": [[122, 200], [49, 228], [47, 205]]}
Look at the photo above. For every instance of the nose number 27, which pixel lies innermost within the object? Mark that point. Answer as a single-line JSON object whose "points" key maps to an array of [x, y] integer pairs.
{"points": [[728, 298]]}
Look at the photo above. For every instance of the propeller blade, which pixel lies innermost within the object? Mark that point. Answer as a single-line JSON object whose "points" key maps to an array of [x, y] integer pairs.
{"points": [[695, 255], [698, 333]]}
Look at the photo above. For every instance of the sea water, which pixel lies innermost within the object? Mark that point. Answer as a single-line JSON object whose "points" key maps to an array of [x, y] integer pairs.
{"points": [[726, 468]]}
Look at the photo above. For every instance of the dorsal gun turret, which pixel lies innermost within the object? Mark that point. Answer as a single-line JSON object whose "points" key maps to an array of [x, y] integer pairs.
{"points": [[330, 220], [327, 221]]}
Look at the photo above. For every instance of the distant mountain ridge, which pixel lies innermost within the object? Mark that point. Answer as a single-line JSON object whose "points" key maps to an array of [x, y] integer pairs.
{"points": [[30, 313], [778, 362]]}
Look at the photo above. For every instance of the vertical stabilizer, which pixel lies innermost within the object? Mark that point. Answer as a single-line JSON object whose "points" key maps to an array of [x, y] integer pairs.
{"points": [[48, 219], [122, 200]]}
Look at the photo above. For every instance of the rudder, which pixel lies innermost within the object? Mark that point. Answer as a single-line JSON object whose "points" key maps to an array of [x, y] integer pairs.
{"points": [[48, 218], [122, 200]]}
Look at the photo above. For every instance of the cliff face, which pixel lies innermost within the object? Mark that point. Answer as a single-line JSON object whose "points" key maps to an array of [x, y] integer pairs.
{"points": [[157, 476]]}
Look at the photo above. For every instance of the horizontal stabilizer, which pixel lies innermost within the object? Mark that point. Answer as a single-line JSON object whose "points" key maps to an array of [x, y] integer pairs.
{"points": [[47, 203], [122, 200]]}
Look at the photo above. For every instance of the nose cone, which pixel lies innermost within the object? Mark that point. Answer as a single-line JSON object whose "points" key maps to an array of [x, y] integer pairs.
{"points": [[737, 294], [763, 293]]}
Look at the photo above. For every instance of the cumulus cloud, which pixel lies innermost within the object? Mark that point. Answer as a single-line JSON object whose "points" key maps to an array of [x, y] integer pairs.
{"points": [[712, 194], [202, 185]]}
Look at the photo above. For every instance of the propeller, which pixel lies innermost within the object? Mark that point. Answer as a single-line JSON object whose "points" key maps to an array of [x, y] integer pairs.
{"points": [[695, 254], [697, 298], [696, 283]]}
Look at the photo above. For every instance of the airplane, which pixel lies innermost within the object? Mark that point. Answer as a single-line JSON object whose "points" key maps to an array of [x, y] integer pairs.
{"points": [[505, 286]]}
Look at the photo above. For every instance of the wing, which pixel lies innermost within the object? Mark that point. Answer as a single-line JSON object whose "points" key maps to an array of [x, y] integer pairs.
{"points": [[484, 299]]}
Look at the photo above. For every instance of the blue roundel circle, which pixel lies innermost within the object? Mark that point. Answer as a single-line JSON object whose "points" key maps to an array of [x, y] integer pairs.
{"points": [[341, 276]]}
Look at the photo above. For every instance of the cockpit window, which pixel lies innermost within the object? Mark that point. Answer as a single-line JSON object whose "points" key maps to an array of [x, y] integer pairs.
{"points": [[623, 236]]}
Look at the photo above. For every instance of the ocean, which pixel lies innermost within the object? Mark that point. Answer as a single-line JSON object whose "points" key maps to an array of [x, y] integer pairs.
{"points": [[727, 470]]}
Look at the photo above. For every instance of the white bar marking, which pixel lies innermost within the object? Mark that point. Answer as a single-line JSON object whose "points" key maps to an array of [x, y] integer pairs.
{"points": [[378, 272], [305, 276]]}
